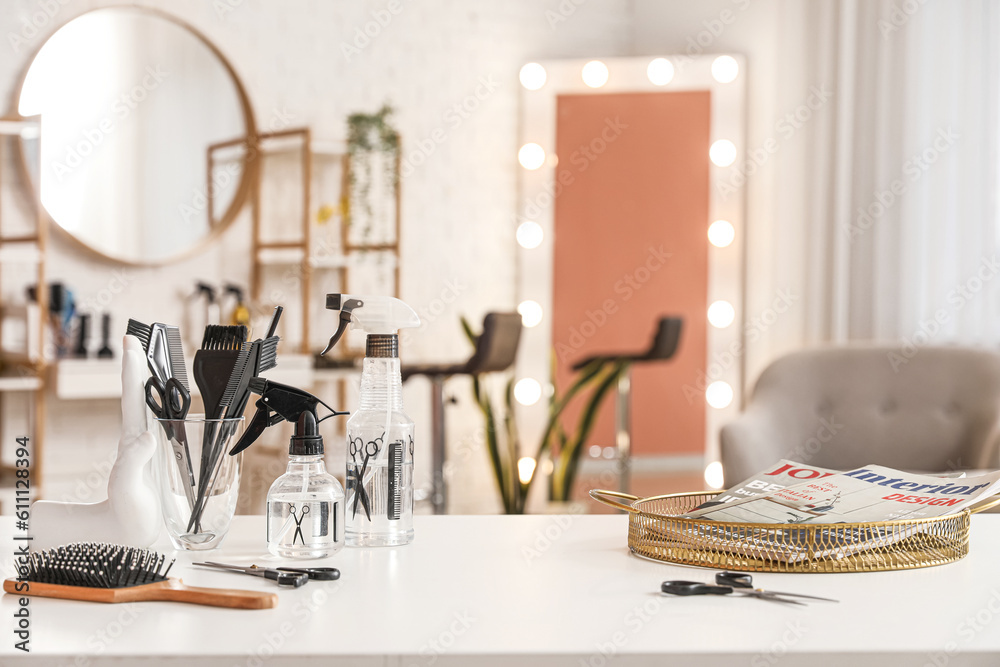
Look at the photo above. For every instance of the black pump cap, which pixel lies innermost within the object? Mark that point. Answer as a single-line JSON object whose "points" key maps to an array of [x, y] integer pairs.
{"points": [[306, 441]]}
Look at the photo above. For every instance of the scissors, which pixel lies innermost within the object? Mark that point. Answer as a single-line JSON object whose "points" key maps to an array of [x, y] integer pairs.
{"points": [[728, 583], [317, 573], [298, 522], [172, 401], [286, 579], [360, 494], [745, 581]]}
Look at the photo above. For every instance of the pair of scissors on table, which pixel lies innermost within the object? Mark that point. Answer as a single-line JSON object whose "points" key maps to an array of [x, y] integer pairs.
{"points": [[287, 577], [172, 401], [730, 583]]}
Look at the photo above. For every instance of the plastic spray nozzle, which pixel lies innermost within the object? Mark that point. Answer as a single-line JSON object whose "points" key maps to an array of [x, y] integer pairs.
{"points": [[373, 314], [281, 402], [235, 290]]}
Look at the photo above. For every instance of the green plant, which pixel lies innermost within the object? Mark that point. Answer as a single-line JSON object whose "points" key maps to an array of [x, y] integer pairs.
{"points": [[504, 445], [369, 135]]}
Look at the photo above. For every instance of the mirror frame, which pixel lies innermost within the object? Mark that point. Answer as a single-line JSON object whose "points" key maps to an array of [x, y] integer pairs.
{"points": [[250, 164], [538, 189]]}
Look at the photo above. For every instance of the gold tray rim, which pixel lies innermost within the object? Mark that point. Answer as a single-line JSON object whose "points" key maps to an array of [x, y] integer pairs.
{"points": [[596, 494]]}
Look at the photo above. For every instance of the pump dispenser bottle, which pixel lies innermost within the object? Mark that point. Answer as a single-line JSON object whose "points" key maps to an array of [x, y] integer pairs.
{"points": [[305, 506], [379, 508]]}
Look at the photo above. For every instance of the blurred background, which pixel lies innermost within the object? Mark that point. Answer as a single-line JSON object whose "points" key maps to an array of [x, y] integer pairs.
{"points": [[685, 190]]}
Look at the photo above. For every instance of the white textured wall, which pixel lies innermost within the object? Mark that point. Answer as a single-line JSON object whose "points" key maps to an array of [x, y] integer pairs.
{"points": [[457, 206]]}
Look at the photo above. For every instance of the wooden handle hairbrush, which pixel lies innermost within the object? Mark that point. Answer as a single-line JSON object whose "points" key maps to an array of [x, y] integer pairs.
{"points": [[112, 573], [169, 590]]}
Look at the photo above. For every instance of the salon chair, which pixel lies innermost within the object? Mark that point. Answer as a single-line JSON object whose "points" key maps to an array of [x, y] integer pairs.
{"points": [[663, 347], [930, 409], [496, 350]]}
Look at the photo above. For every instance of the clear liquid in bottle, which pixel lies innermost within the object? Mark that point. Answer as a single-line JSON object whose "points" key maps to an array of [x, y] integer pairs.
{"points": [[305, 511]]}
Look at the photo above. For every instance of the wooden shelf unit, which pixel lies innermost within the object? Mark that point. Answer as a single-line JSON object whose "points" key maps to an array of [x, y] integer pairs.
{"points": [[309, 263], [23, 371]]}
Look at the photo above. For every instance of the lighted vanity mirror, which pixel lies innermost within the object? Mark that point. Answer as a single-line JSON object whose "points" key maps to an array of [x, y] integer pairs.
{"points": [[143, 153]]}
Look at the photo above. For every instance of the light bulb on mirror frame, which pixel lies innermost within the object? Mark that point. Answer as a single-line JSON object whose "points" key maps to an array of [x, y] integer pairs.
{"points": [[527, 391], [719, 394], [721, 233], [725, 69], [530, 234], [714, 475], [722, 153], [595, 74], [531, 313], [531, 156], [532, 76], [660, 71]]}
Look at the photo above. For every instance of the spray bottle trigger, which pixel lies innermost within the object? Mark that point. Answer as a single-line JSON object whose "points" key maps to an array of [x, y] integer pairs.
{"points": [[335, 302], [261, 420], [345, 319]]}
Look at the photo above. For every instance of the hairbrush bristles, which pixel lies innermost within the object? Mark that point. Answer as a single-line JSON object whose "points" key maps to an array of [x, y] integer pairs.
{"points": [[219, 337], [268, 354], [141, 331], [97, 565]]}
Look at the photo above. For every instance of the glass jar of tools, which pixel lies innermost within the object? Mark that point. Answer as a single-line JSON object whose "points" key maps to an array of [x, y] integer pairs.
{"points": [[199, 484], [305, 510]]}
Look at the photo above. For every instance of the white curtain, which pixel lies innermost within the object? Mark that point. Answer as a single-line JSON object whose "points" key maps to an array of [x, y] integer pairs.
{"points": [[880, 213]]}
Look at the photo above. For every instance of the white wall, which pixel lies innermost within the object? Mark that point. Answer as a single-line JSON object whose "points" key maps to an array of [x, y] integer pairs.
{"points": [[771, 34], [457, 205]]}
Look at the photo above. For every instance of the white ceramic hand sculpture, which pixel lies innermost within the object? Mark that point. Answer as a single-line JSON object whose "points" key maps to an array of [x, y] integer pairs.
{"points": [[131, 514]]}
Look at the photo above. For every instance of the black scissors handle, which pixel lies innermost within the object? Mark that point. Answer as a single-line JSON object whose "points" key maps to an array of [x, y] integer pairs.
{"points": [[677, 587], [317, 573], [172, 400], [734, 579]]}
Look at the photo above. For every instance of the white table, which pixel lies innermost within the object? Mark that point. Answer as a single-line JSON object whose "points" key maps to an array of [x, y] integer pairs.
{"points": [[526, 591]]}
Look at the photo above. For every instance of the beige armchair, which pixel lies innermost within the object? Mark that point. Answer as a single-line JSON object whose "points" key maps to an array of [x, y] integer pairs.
{"points": [[927, 409]]}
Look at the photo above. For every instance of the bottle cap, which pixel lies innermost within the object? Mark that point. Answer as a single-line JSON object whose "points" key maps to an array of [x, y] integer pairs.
{"points": [[382, 346], [306, 441]]}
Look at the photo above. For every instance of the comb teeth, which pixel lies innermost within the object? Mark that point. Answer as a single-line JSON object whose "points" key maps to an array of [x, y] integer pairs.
{"points": [[235, 380], [268, 355], [97, 565], [141, 331], [175, 347]]}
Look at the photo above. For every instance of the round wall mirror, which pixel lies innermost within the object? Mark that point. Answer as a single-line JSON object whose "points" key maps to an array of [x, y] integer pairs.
{"points": [[144, 152]]}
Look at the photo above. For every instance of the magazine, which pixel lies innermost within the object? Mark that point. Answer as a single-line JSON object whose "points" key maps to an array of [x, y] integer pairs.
{"points": [[871, 493], [868, 494], [782, 474]]}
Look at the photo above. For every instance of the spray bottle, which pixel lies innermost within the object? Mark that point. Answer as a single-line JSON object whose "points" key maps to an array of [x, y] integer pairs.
{"points": [[379, 434], [305, 506]]}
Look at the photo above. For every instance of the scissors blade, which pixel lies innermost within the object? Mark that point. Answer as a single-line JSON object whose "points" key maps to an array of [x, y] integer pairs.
{"points": [[795, 595], [252, 570], [767, 595]]}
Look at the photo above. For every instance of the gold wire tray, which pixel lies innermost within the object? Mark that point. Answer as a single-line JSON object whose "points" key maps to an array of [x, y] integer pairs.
{"points": [[655, 531]]}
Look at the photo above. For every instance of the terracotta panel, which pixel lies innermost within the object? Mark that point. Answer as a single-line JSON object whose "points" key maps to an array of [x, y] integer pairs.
{"points": [[639, 191]]}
